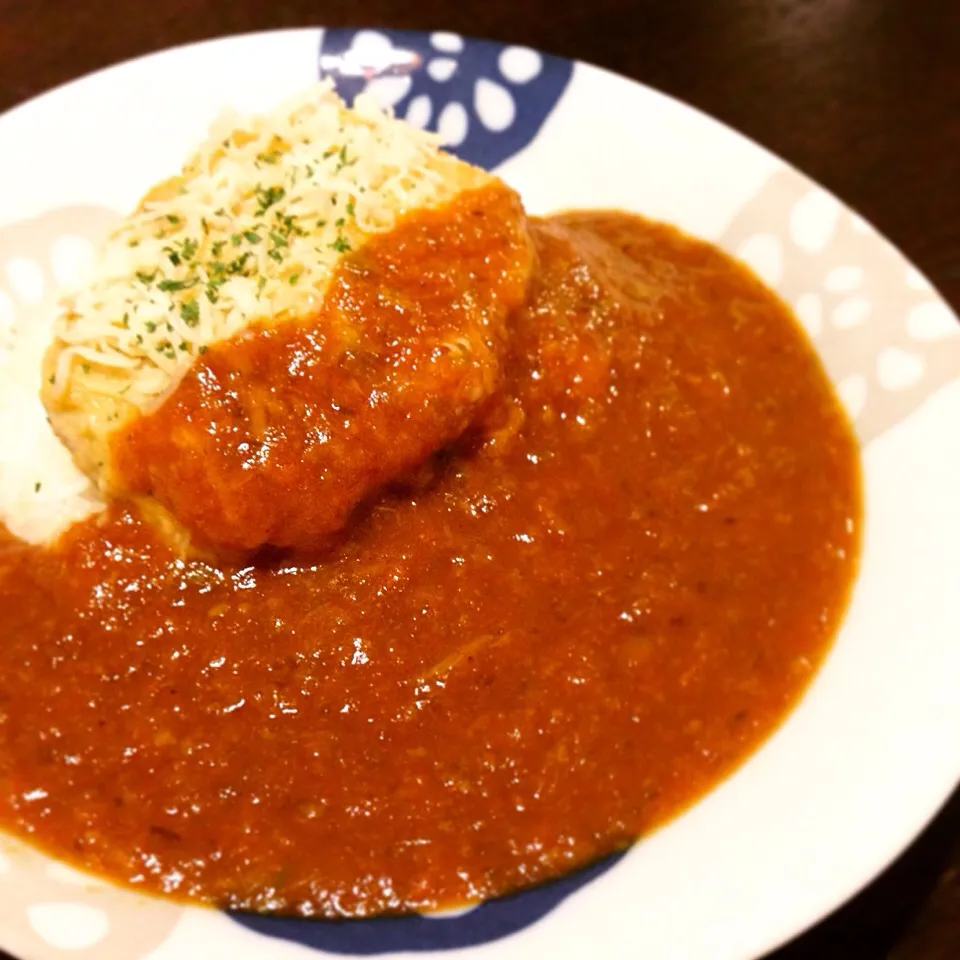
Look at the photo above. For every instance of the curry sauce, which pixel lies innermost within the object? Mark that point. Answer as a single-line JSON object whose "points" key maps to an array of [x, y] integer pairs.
{"points": [[560, 632]]}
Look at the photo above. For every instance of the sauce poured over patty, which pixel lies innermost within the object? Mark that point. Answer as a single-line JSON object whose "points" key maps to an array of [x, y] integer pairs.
{"points": [[562, 631]]}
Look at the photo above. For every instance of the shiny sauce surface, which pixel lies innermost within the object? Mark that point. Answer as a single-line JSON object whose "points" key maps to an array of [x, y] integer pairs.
{"points": [[558, 635]]}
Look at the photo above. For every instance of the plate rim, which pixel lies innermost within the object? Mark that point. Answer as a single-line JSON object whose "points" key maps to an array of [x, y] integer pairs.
{"points": [[896, 847]]}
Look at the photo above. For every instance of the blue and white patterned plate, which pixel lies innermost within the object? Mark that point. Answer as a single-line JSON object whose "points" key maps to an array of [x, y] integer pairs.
{"points": [[871, 751]]}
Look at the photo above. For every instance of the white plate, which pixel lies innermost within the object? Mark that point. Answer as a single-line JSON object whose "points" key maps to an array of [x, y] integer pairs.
{"points": [[874, 747]]}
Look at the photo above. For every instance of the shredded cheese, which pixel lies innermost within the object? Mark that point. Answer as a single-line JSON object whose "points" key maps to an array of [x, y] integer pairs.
{"points": [[252, 229]]}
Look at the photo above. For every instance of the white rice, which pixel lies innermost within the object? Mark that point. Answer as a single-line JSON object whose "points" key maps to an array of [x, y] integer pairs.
{"points": [[41, 491]]}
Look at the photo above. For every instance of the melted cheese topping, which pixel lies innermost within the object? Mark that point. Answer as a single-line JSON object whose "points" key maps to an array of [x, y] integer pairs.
{"points": [[252, 229]]}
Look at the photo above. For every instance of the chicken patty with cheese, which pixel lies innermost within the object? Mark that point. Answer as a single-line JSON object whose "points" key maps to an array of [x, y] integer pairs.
{"points": [[314, 306]]}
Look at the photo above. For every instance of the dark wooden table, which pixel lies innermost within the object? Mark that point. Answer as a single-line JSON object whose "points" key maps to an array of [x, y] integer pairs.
{"points": [[863, 95]]}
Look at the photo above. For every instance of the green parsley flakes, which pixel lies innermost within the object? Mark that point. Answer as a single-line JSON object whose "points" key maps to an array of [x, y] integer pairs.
{"points": [[190, 312], [169, 285], [267, 198]]}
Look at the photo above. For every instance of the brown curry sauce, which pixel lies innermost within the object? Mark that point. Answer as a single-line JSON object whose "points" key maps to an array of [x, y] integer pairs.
{"points": [[550, 643]]}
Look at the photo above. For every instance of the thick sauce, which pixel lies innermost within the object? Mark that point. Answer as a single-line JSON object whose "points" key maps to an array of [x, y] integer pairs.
{"points": [[275, 437], [555, 640]]}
